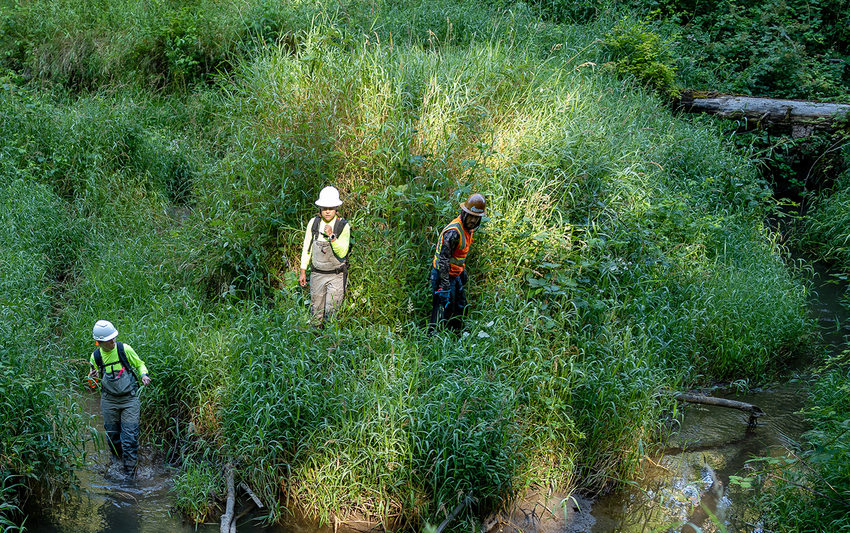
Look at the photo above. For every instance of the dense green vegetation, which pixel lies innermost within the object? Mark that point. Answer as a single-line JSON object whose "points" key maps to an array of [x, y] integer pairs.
{"points": [[788, 49], [162, 159], [40, 426], [777, 48], [809, 491]]}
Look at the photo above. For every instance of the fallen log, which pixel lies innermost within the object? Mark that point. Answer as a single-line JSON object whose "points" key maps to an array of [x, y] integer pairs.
{"points": [[227, 523], [754, 410], [800, 116]]}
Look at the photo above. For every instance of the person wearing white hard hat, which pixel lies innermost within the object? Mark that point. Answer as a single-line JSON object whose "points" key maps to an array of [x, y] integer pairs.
{"points": [[326, 245], [120, 370]]}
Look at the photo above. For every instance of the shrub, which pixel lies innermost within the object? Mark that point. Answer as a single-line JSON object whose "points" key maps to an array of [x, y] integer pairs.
{"points": [[638, 51]]}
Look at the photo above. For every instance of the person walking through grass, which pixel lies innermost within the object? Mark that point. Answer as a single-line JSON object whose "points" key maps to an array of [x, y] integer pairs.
{"points": [[120, 371], [448, 268], [326, 245]]}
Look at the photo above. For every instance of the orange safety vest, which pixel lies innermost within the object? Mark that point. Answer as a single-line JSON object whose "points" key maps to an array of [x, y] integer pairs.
{"points": [[456, 263]]}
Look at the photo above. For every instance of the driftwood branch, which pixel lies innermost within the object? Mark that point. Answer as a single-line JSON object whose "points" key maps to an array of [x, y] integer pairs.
{"points": [[227, 522], [800, 116], [456, 511], [244, 486], [754, 410]]}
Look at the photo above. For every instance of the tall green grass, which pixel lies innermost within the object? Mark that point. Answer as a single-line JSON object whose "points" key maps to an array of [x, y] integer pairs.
{"points": [[811, 491], [624, 255], [39, 421], [827, 226]]}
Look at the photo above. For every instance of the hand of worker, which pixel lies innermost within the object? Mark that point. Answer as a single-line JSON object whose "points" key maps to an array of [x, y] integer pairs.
{"points": [[302, 278], [146, 380], [328, 231], [92, 372]]}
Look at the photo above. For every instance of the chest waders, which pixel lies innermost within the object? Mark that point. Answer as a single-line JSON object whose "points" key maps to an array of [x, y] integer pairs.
{"points": [[329, 276], [119, 404]]}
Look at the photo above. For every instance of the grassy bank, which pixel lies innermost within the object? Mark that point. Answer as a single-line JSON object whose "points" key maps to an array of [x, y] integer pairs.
{"points": [[39, 423], [625, 254]]}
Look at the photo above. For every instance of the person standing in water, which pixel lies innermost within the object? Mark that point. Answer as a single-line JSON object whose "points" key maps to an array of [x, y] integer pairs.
{"points": [[326, 246], [120, 371]]}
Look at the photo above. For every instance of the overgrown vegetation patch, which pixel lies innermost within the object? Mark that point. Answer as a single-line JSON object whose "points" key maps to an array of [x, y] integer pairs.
{"points": [[626, 253]]}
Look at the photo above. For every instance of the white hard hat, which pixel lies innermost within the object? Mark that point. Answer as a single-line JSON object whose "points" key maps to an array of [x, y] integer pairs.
{"points": [[329, 197], [104, 331]]}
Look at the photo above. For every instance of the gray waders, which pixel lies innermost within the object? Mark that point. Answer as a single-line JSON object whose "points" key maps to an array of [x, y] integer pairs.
{"points": [[120, 406], [327, 281]]}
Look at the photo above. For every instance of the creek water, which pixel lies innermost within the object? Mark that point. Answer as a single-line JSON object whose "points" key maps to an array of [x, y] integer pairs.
{"points": [[693, 473], [691, 476], [106, 501]]}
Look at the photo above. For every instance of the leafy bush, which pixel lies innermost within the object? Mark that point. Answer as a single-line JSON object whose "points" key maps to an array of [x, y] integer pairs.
{"points": [[638, 51], [766, 48]]}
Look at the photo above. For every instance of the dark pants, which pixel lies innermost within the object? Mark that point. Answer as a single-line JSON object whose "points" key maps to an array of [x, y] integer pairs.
{"points": [[121, 423], [451, 315]]}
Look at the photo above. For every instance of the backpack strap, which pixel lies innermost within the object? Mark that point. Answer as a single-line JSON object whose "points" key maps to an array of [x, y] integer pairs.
{"points": [[338, 227], [122, 356], [98, 359], [315, 230]]}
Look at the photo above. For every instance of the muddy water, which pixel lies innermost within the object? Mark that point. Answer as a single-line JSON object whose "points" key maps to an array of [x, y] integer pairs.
{"points": [[694, 471], [108, 502]]}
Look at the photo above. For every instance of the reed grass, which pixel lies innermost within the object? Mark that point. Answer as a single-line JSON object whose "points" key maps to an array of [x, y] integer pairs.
{"points": [[39, 422], [827, 226]]}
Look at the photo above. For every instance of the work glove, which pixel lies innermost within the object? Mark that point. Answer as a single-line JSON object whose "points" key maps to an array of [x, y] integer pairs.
{"points": [[443, 295]]}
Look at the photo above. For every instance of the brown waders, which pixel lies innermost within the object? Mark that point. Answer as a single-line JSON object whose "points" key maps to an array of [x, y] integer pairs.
{"points": [[327, 281]]}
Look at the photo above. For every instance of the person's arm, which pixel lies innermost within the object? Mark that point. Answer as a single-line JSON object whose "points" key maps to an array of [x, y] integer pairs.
{"points": [[342, 242], [138, 365], [449, 240], [306, 253]]}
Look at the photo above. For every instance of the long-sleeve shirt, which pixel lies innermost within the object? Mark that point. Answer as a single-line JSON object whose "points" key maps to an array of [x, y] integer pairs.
{"points": [[448, 242], [340, 244], [111, 356]]}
